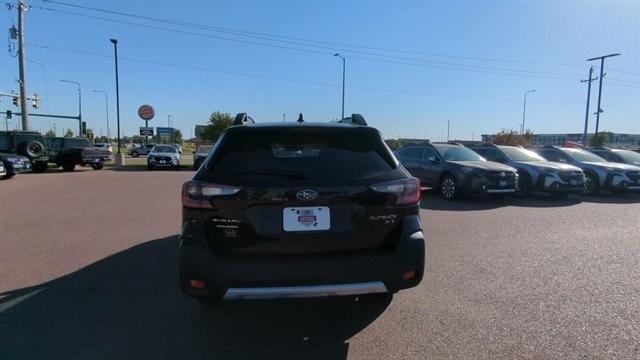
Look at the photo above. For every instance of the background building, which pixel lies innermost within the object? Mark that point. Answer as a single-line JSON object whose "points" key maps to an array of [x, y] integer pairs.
{"points": [[617, 139]]}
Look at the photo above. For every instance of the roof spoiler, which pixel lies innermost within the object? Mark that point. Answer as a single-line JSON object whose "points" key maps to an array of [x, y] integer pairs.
{"points": [[354, 119], [243, 119]]}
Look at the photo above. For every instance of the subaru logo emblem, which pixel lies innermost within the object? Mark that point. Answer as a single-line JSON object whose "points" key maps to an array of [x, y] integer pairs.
{"points": [[503, 174], [307, 195]]}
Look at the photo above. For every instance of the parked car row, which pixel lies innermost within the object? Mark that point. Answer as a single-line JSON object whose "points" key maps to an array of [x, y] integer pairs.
{"points": [[496, 169], [26, 151]]}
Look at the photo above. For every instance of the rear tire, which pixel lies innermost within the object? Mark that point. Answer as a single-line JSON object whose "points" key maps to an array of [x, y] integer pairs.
{"points": [[448, 188], [591, 184], [39, 167], [68, 166], [97, 166]]}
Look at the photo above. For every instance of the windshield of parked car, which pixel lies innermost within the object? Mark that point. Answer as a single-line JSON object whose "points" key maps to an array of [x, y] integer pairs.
{"points": [[628, 155], [519, 154], [203, 150], [164, 149], [284, 156], [457, 153], [583, 155]]}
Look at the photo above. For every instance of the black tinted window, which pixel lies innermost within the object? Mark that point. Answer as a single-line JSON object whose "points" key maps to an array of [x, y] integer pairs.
{"points": [[290, 155], [429, 154], [488, 154], [411, 153]]}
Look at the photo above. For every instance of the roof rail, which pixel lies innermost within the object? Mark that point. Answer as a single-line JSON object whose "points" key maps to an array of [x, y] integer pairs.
{"points": [[354, 119], [243, 119]]}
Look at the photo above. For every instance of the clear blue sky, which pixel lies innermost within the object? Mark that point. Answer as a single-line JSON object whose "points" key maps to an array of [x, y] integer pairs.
{"points": [[458, 63]]}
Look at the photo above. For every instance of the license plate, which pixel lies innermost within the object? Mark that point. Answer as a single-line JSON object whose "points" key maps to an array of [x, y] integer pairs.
{"points": [[502, 183], [306, 218], [162, 161]]}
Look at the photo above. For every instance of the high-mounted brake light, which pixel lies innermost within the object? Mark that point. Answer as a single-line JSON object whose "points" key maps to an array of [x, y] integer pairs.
{"points": [[406, 190], [198, 195]]}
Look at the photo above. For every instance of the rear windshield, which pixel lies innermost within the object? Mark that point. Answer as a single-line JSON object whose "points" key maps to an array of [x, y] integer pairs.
{"points": [[204, 149], [282, 156], [77, 143], [164, 149]]}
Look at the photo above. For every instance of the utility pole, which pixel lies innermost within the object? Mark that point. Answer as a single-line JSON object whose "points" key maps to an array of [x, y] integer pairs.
{"points": [[586, 115], [21, 61], [343, 79], [284, 118], [55, 132], [600, 86], [524, 110], [115, 50], [448, 127]]}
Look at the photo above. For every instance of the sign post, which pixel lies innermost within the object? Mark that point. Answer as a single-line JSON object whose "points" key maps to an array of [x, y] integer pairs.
{"points": [[146, 113]]}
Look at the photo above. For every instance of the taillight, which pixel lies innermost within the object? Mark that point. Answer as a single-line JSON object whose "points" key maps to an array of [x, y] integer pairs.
{"points": [[198, 195], [407, 191]]}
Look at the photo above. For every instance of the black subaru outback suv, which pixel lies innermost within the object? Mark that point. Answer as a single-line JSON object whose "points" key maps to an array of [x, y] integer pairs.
{"points": [[26, 143], [285, 210]]}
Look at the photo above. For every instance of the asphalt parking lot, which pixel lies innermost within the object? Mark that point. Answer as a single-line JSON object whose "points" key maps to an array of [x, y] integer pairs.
{"points": [[88, 270]]}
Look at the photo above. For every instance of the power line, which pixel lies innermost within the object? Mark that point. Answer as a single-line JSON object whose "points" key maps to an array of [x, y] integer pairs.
{"points": [[277, 78], [272, 37], [623, 71], [376, 57]]}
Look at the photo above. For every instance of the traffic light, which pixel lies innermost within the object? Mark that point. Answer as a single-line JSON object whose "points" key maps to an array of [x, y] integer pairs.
{"points": [[84, 127], [35, 101], [16, 100], [9, 114]]}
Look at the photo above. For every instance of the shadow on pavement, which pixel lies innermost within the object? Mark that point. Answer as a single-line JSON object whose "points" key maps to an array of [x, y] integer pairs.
{"points": [[432, 200], [129, 306], [612, 198]]}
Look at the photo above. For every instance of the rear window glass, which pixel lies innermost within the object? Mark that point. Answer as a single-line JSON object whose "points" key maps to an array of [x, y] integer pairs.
{"points": [[77, 143], [299, 155]]}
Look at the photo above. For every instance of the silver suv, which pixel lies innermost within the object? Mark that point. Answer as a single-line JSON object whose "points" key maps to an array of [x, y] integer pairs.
{"points": [[535, 172], [599, 173], [141, 150]]}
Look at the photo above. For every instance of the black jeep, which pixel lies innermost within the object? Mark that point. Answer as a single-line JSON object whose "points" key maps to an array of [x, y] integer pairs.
{"points": [[25, 143], [69, 152]]}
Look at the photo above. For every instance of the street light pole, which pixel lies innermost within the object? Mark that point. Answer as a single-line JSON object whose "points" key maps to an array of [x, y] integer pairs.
{"points": [[79, 104], [524, 110], [106, 105], [599, 110], [344, 64], [115, 50], [448, 128]]}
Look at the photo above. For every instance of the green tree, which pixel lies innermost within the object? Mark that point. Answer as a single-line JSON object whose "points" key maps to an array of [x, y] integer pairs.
{"points": [[218, 122], [177, 136], [68, 133], [601, 139], [511, 137], [50, 134]]}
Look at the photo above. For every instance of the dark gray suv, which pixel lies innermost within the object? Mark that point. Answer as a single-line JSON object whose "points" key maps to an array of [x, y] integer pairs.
{"points": [[456, 170], [535, 172]]}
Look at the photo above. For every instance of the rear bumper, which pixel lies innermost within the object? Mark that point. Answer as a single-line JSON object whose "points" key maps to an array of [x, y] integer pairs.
{"points": [[309, 277]]}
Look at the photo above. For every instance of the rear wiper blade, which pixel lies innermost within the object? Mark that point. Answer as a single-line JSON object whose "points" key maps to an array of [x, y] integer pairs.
{"points": [[277, 173]]}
